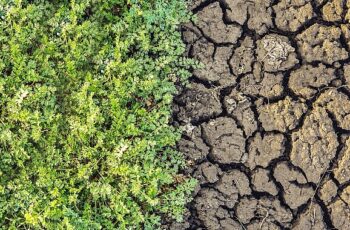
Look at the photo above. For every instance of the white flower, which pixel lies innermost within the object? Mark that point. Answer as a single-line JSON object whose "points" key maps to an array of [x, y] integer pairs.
{"points": [[23, 94]]}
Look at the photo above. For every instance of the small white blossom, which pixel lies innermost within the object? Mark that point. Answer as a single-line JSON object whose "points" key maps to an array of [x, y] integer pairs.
{"points": [[23, 94]]}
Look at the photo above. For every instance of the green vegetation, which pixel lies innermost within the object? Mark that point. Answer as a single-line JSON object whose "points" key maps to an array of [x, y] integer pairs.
{"points": [[85, 94]]}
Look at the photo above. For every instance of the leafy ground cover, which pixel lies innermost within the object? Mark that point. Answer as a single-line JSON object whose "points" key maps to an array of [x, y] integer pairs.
{"points": [[85, 94]]}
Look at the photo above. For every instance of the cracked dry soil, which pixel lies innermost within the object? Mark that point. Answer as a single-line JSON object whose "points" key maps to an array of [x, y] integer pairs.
{"points": [[267, 120]]}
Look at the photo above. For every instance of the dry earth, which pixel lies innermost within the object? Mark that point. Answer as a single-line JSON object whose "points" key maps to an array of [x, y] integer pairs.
{"points": [[267, 120]]}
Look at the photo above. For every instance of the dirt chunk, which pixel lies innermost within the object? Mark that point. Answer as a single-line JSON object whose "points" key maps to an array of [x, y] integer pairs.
{"points": [[260, 19], [190, 33], [292, 14], [198, 103], [193, 147], [243, 57], [281, 116], [226, 140], [314, 145], [311, 219], [342, 169], [233, 183], [340, 214], [321, 43], [338, 104], [265, 209], [236, 10], [306, 80], [262, 183], [258, 13], [210, 21], [203, 50], [328, 191], [332, 11], [214, 60], [239, 106], [347, 15], [345, 195], [276, 53], [209, 204], [346, 70], [207, 173], [262, 149], [295, 192], [262, 84], [254, 225], [229, 224]]}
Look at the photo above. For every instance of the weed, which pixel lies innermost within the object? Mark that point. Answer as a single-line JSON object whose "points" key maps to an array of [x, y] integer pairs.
{"points": [[85, 99]]}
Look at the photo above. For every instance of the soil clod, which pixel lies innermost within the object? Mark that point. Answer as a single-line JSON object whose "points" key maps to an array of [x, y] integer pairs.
{"points": [[267, 120]]}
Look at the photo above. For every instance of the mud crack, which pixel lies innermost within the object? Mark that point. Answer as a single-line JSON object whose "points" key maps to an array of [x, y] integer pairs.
{"points": [[267, 120]]}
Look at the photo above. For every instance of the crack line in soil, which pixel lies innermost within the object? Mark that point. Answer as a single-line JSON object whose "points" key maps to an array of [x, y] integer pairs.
{"points": [[260, 139]]}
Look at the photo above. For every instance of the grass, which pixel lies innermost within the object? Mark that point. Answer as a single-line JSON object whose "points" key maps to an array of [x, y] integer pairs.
{"points": [[85, 93]]}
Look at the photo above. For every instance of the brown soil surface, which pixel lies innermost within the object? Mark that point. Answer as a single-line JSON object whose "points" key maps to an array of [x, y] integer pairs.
{"points": [[267, 120]]}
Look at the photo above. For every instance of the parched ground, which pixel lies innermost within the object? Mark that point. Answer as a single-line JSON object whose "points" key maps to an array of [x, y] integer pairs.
{"points": [[267, 120]]}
